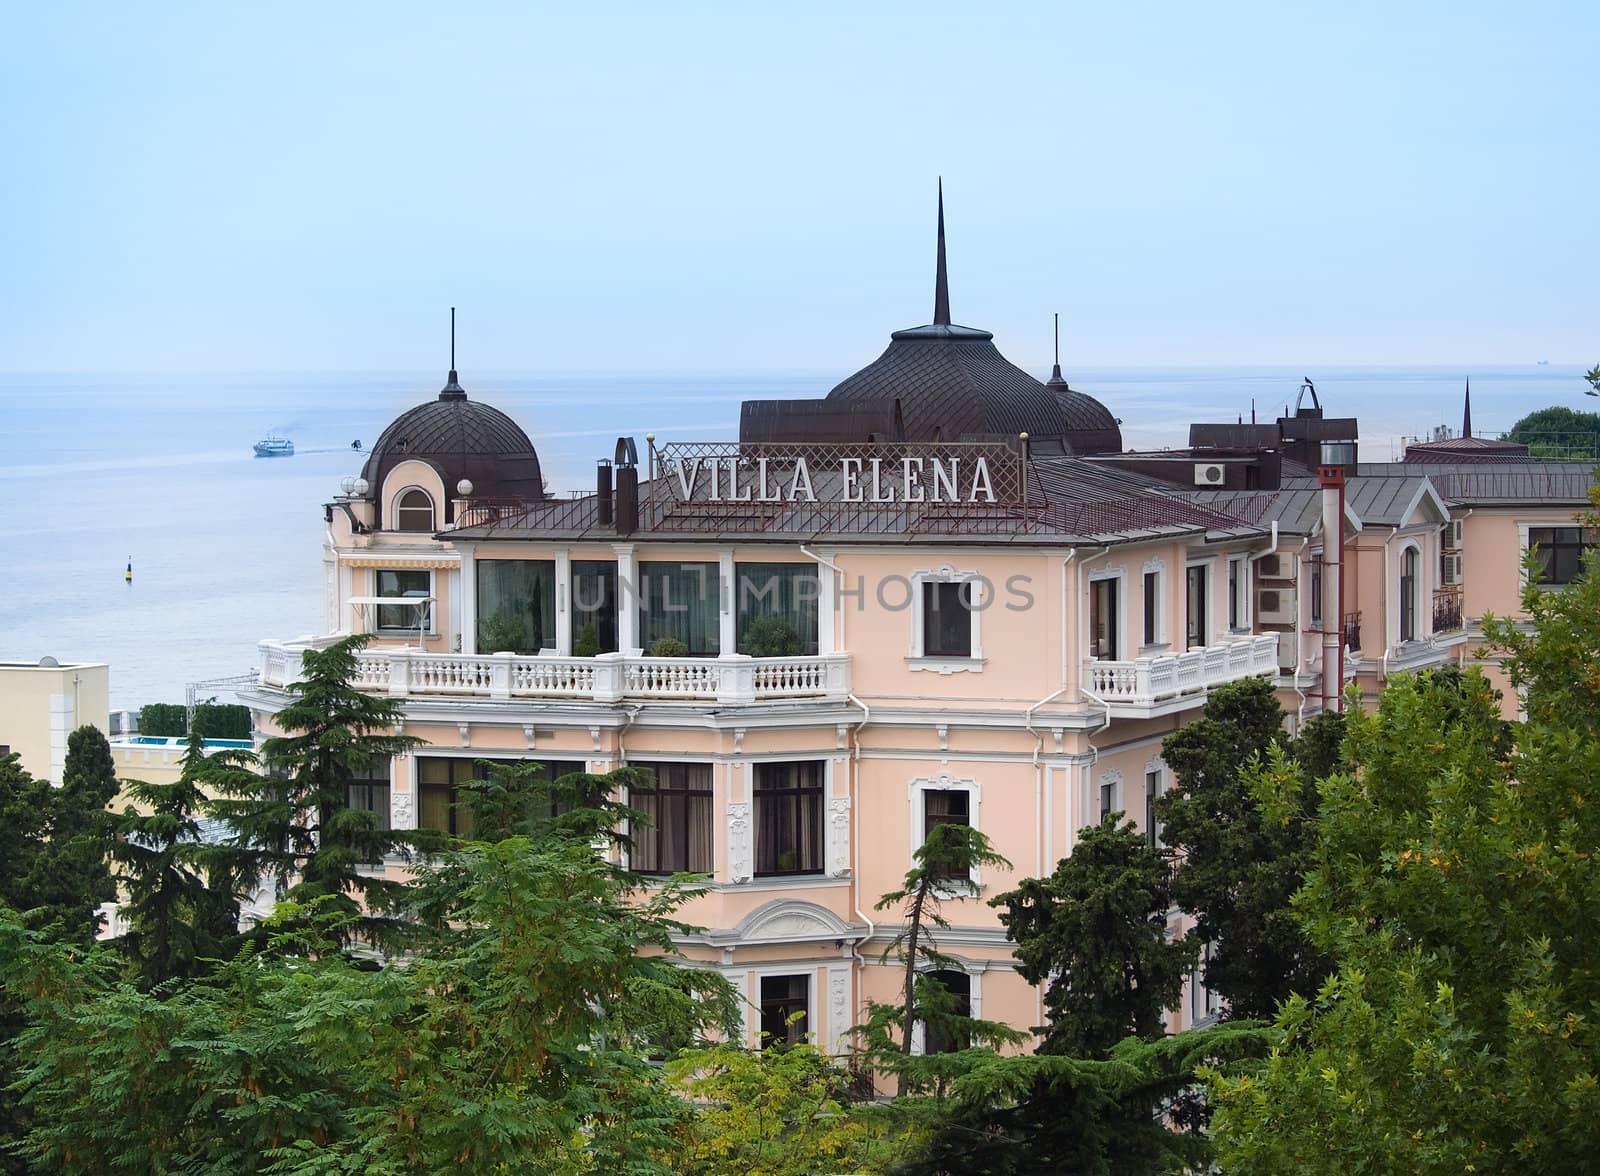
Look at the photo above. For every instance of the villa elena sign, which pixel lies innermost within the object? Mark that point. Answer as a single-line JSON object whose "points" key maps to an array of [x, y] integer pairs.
{"points": [[868, 475]]}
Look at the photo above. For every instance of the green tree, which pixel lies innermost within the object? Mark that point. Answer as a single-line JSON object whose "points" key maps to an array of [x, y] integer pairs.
{"points": [[71, 876], [1238, 869], [1095, 934], [939, 871], [181, 907], [1558, 432], [518, 1047], [1456, 886], [292, 820], [774, 1112]]}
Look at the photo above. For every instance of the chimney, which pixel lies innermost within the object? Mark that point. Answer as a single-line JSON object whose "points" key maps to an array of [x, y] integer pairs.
{"points": [[602, 492], [627, 506]]}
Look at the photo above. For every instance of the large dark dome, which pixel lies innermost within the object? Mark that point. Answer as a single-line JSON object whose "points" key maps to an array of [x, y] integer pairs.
{"points": [[460, 438]]}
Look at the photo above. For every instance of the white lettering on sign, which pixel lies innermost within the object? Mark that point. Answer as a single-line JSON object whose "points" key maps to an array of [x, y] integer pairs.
{"points": [[950, 480]]}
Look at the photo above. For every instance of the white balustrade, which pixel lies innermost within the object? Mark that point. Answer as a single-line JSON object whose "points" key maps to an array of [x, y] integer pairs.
{"points": [[1147, 680]]}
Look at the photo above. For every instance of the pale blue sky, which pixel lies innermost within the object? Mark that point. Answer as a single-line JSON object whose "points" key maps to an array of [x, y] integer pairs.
{"points": [[751, 186]]}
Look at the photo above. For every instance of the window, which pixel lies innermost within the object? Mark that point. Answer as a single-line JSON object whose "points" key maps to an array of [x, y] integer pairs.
{"points": [[1316, 594], [1238, 581], [412, 617], [370, 794], [413, 511], [947, 1038], [780, 601], [443, 801], [1559, 551], [947, 618], [1408, 594], [678, 805], [516, 605], [1103, 617], [781, 998], [680, 601], [1108, 798], [1196, 599], [1152, 607], [1203, 1003], [788, 814], [1152, 793], [594, 606], [946, 806]]}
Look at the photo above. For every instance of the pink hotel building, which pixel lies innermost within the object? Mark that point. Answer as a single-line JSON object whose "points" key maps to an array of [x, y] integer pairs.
{"points": [[941, 593]]}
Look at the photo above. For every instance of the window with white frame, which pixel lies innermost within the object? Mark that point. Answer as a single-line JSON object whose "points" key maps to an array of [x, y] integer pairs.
{"points": [[944, 802], [395, 583], [676, 835], [1152, 608], [946, 607], [413, 511], [1559, 551], [944, 1033], [1410, 593], [788, 818], [1155, 786], [1110, 787], [1238, 594], [784, 1002], [1203, 1002], [1104, 620], [1196, 618]]}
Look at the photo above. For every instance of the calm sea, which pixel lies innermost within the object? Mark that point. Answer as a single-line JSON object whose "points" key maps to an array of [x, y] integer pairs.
{"points": [[100, 470]]}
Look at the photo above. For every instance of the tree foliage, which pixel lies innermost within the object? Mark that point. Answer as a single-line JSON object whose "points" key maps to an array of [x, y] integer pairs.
{"points": [[1095, 934], [289, 806], [1238, 867], [1455, 882]]}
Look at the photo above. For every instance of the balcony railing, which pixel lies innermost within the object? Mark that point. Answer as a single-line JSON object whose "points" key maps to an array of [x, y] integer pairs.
{"points": [[1352, 630], [1447, 615], [608, 677], [1146, 681]]}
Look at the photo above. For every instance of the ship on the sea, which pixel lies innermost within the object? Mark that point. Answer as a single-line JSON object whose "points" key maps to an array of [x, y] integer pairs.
{"points": [[275, 447]]}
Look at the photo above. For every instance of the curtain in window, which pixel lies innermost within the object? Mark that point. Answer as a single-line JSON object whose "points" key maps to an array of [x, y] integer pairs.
{"points": [[594, 604], [516, 605], [785, 592], [1196, 620], [679, 836], [788, 816], [680, 601], [946, 806]]}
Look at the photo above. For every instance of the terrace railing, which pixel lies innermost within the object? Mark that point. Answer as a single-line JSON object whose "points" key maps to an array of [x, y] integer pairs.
{"points": [[1447, 614], [1145, 681]]}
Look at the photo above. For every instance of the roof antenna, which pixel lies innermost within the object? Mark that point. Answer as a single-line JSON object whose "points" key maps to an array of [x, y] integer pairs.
{"points": [[1056, 379], [452, 389], [941, 281], [1252, 410]]}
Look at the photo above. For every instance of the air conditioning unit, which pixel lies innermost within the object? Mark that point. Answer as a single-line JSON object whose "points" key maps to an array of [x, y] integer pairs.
{"points": [[1452, 532], [1277, 606], [1288, 651], [1278, 566], [1208, 474], [1450, 567]]}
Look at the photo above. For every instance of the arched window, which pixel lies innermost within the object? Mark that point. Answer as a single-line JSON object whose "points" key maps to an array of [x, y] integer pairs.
{"points": [[1410, 586], [413, 511], [942, 1031]]}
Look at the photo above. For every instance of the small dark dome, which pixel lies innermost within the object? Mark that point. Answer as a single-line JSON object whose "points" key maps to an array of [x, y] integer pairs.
{"points": [[460, 438]]}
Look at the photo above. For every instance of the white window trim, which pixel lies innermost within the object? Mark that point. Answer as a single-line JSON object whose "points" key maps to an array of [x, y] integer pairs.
{"points": [[1158, 569], [974, 975], [752, 817], [753, 1029], [1210, 565], [1242, 592], [1523, 527], [1424, 623], [1124, 650], [1113, 780], [1158, 768], [917, 794], [394, 510], [410, 630], [917, 659]]}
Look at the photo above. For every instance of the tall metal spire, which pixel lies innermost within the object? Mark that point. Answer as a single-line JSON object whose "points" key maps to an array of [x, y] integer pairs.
{"points": [[1466, 411], [452, 389], [1055, 372], [941, 281]]}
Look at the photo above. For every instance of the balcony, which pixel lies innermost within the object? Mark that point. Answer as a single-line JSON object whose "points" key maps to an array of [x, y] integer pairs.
{"points": [[608, 677], [1152, 685], [1447, 614]]}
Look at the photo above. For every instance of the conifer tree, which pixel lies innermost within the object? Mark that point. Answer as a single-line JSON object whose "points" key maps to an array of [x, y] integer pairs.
{"points": [[180, 908], [72, 875], [288, 806]]}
